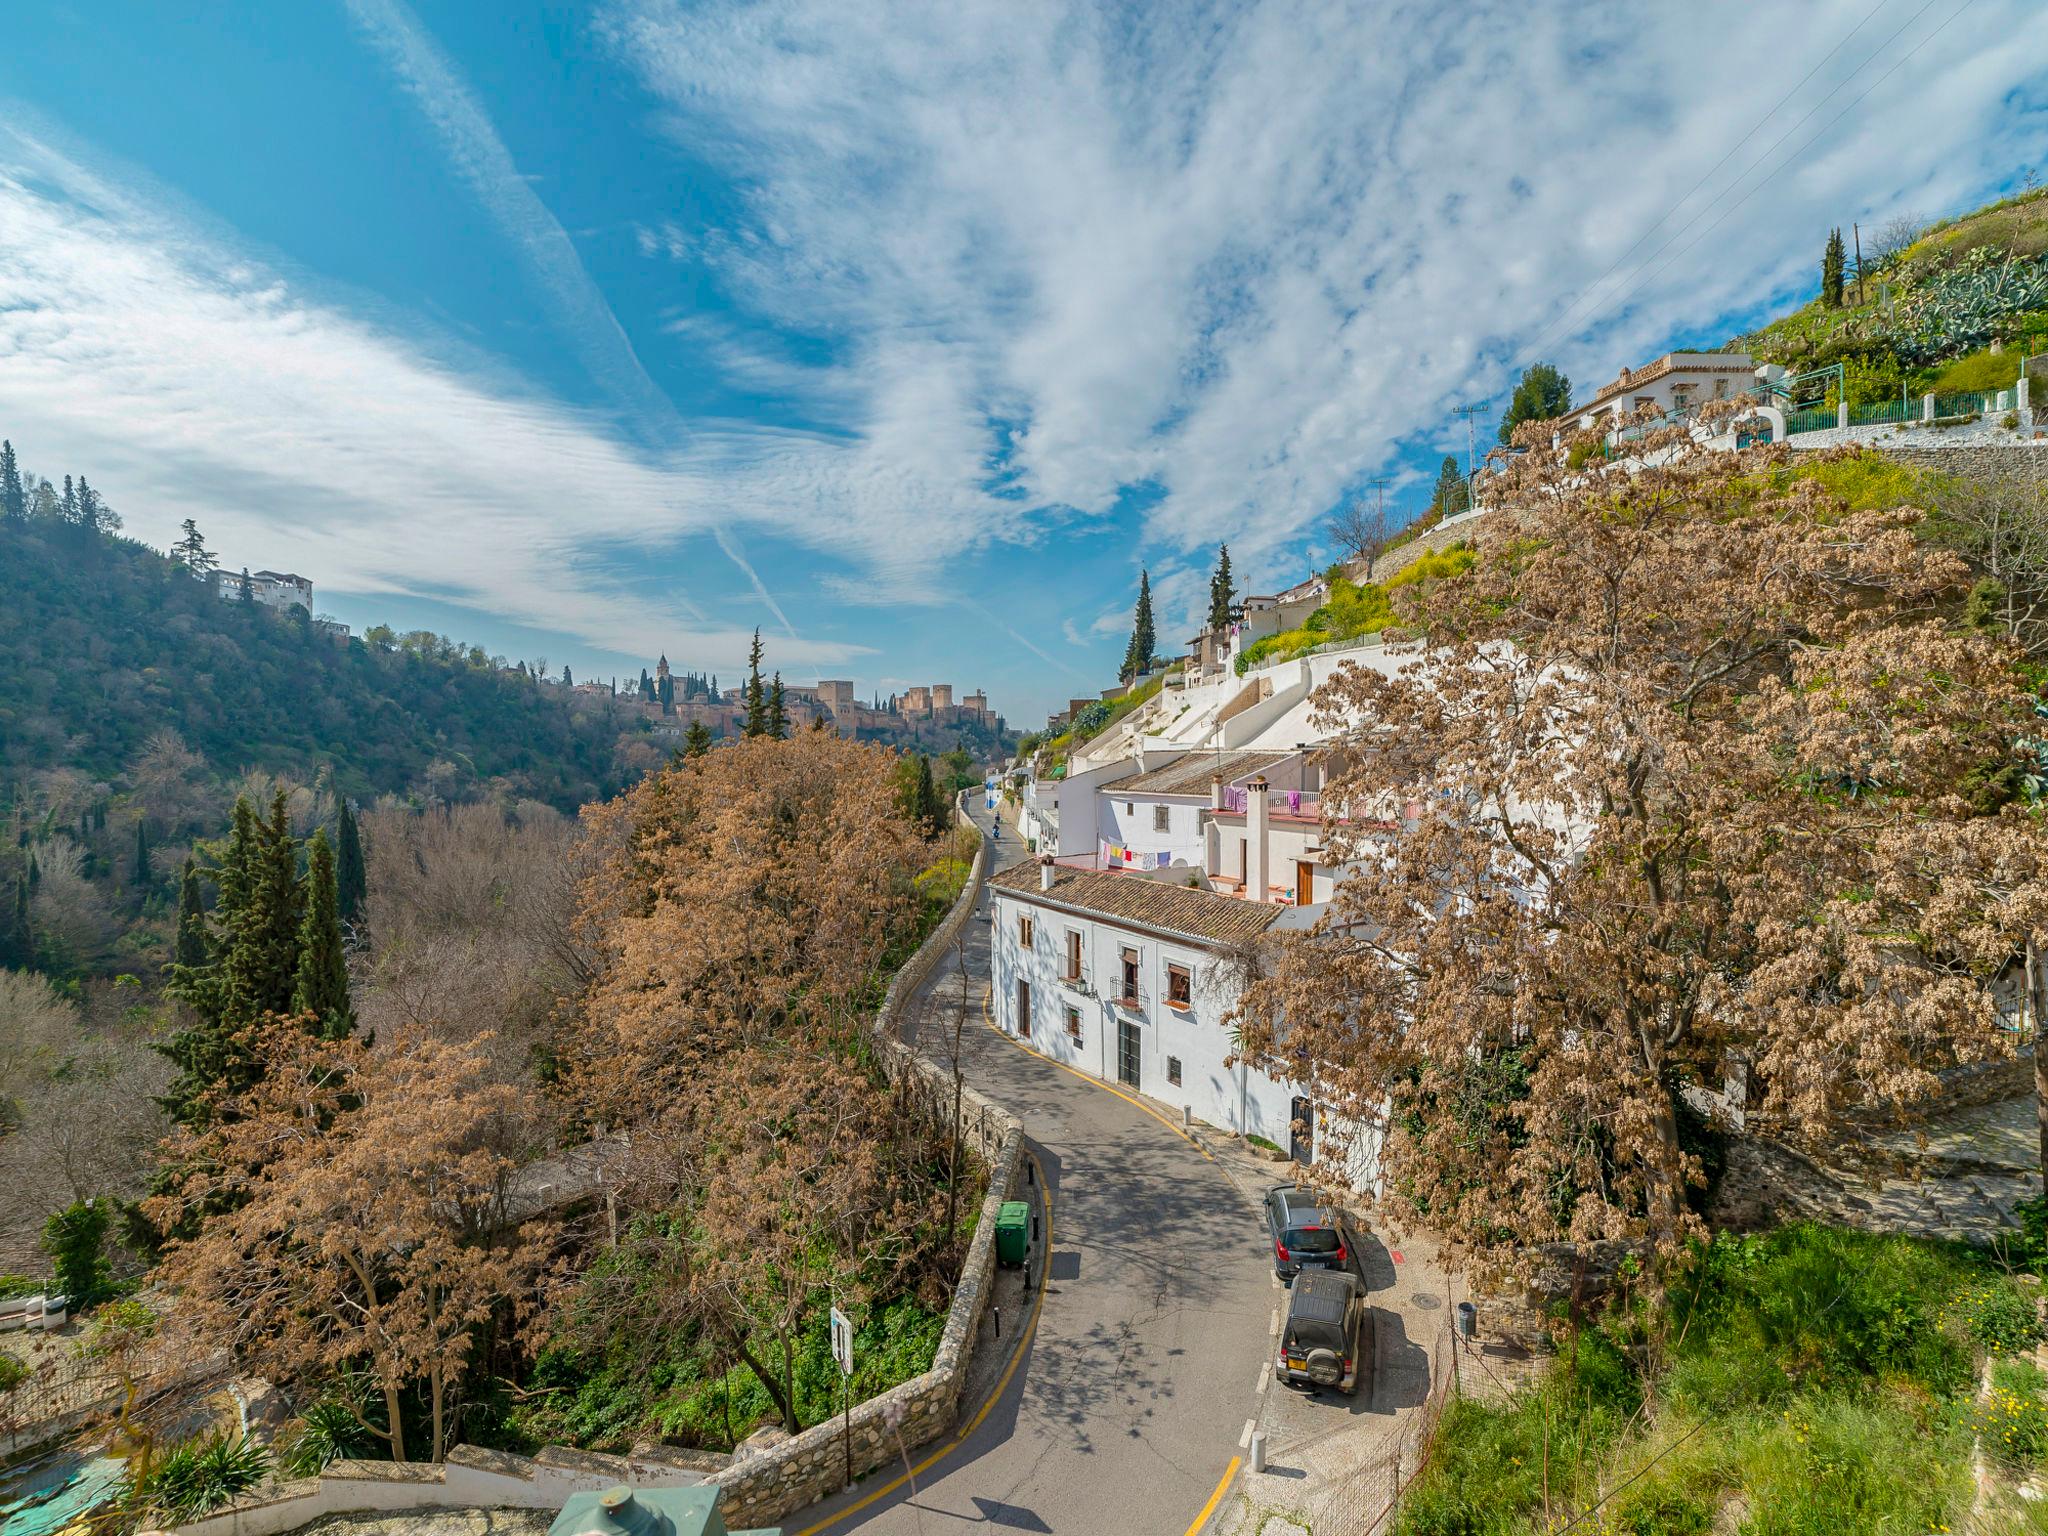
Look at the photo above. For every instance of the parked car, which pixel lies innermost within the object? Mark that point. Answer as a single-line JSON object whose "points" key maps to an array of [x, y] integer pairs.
{"points": [[1305, 1232], [1329, 1338]]}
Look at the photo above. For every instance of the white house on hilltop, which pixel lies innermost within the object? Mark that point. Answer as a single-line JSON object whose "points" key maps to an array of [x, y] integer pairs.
{"points": [[281, 590]]}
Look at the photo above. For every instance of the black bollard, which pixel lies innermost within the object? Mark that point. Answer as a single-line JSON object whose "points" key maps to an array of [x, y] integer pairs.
{"points": [[997, 1314]]}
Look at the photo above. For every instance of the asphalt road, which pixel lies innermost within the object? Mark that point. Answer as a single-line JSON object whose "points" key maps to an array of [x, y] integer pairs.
{"points": [[1128, 1406]]}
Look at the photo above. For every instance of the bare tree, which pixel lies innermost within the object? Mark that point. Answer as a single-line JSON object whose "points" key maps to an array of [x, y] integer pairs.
{"points": [[1998, 519], [1361, 533], [1890, 240]]}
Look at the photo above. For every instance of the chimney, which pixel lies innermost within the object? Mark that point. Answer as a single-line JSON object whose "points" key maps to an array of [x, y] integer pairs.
{"points": [[1259, 875], [1138, 757], [1045, 871], [1216, 792]]}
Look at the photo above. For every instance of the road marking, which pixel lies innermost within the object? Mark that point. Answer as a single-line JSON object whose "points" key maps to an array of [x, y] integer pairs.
{"points": [[1265, 1375], [1245, 1439], [988, 1018], [1002, 1385], [1273, 1322], [1215, 1498]]}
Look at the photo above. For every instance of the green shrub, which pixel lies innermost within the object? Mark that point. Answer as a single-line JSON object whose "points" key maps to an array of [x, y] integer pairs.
{"points": [[13, 1371], [1856, 1466], [202, 1475], [12, 1286], [75, 1238], [2013, 1421], [1978, 373]]}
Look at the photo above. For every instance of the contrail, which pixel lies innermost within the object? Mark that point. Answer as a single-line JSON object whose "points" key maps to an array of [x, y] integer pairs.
{"points": [[480, 156]]}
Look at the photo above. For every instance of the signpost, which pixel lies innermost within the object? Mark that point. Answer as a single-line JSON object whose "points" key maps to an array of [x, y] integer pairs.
{"points": [[842, 1352]]}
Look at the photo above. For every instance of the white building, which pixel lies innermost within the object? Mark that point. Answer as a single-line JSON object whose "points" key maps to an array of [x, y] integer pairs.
{"points": [[281, 590], [1158, 820], [1674, 382], [1129, 981]]}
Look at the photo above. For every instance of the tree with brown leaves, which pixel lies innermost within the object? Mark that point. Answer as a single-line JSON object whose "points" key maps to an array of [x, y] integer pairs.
{"points": [[350, 1214], [1629, 815]]}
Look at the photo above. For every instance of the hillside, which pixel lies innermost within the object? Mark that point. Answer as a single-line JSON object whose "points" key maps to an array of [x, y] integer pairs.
{"points": [[1933, 307], [104, 642]]}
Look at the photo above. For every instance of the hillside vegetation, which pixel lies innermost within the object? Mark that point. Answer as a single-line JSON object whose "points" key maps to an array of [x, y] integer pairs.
{"points": [[1925, 317], [1809, 1381]]}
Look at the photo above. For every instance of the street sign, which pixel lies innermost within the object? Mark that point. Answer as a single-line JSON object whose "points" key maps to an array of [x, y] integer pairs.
{"points": [[842, 1341]]}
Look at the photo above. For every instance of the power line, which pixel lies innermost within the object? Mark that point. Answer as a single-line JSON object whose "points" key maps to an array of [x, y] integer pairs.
{"points": [[1620, 261], [1817, 137]]}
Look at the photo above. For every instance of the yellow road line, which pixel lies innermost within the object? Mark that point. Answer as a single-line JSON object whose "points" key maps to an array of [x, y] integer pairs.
{"points": [[988, 1018], [1215, 1498], [1002, 1386]]}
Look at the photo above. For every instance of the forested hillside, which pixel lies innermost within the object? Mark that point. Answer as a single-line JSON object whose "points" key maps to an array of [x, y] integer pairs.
{"points": [[105, 643]]}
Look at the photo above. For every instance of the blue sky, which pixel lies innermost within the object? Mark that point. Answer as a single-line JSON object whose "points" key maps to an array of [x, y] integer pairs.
{"points": [[906, 333]]}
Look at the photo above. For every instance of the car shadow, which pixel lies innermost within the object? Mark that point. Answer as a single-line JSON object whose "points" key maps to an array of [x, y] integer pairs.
{"points": [[1400, 1366], [1372, 1262]]}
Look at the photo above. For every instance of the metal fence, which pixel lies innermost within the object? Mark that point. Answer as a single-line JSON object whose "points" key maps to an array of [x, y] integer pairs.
{"points": [[1810, 421], [1960, 405], [1883, 411]]}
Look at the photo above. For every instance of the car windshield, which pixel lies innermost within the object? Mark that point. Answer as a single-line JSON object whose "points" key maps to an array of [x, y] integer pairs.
{"points": [[1312, 1240]]}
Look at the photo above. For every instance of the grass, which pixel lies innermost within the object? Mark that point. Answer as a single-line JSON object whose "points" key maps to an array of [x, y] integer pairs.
{"points": [[1809, 1382], [1353, 609]]}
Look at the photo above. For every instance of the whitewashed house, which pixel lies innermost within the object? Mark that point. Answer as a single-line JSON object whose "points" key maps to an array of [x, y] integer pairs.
{"points": [[1158, 820], [1129, 981]]}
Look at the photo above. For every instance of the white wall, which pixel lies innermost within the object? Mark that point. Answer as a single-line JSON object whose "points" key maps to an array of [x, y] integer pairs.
{"points": [[1129, 822], [1233, 1098]]}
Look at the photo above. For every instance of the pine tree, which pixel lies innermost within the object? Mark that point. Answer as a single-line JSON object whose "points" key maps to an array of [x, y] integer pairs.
{"points": [[778, 714], [697, 739], [757, 701], [567, 680], [351, 874], [321, 985], [190, 951], [68, 505], [1542, 394], [1139, 656], [13, 497], [1833, 265], [192, 553], [248, 597], [208, 1053], [1452, 495], [1220, 593]]}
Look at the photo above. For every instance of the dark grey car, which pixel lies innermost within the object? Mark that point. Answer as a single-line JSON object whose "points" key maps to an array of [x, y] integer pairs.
{"points": [[1329, 1338], [1305, 1232]]}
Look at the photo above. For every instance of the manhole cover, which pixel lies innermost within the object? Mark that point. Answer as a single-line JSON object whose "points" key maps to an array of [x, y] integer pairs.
{"points": [[1426, 1302]]}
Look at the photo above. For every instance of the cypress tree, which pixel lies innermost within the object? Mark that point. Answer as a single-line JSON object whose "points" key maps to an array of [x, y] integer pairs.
{"points": [[757, 702], [1834, 263], [1139, 656], [142, 879], [17, 938], [930, 808], [1220, 591], [697, 739], [351, 874], [778, 716], [191, 948], [261, 962], [321, 986], [13, 497]]}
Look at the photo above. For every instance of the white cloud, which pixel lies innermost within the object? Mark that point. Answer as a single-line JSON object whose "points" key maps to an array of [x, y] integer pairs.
{"points": [[1249, 250], [200, 384]]}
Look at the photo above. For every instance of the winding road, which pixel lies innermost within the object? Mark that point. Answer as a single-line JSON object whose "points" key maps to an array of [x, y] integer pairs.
{"points": [[1128, 1404]]}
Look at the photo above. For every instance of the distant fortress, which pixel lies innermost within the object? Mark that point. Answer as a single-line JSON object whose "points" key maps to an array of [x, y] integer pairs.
{"points": [[671, 701]]}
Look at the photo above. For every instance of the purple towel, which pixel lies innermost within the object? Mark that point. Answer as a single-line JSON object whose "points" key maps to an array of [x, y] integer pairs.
{"points": [[1294, 801]]}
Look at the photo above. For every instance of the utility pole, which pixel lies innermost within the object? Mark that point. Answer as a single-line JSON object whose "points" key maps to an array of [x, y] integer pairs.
{"points": [[1468, 412], [1379, 484], [1858, 229]]}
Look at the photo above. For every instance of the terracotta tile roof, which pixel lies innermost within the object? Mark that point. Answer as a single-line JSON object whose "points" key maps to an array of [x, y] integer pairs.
{"points": [[1174, 909], [1190, 775]]}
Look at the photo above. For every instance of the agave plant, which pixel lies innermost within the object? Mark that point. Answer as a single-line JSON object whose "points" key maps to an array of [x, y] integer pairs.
{"points": [[1969, 306], [203, 1474], [330, 1429]]}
